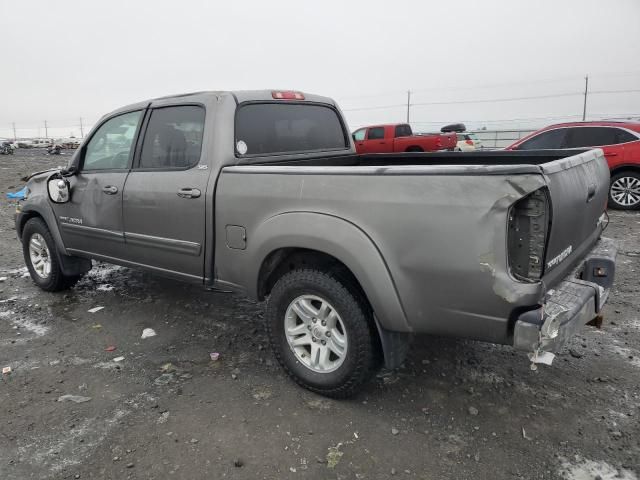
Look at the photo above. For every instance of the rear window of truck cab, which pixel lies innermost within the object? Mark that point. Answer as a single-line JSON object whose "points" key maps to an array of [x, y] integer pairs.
{"points": [[283, 128]]}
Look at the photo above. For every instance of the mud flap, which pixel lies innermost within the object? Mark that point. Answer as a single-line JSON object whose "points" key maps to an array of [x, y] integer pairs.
{"points": [[395, 346]]}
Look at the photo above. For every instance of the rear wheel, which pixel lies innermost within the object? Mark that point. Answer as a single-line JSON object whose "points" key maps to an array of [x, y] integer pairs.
{"points": [[415, 149], [38, 248], [321, 332], [624, 192]]}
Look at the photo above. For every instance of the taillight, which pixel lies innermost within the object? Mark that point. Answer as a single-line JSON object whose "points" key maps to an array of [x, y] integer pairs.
{"points": [[527, 235], [469, 142], [287, 95]]}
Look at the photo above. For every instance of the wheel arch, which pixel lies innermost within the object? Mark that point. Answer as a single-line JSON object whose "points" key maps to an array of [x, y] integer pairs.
{"points": [[414, 148], [71, 265], [628, 167], [288, 239]]}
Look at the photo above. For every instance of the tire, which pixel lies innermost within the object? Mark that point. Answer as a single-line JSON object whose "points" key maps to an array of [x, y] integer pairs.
{"points": [[37, 243], [624, 190], [338, 376]]}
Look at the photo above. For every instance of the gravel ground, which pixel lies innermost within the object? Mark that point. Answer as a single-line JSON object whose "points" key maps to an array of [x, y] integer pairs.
{"points": [[456, 409]]}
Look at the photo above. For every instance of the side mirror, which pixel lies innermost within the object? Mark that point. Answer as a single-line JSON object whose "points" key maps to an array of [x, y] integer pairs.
{"points": [[354, 137], [58, 190]]}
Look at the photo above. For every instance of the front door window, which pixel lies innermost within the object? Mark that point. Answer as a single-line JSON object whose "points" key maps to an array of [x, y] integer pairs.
{"points": [[110, 147]]}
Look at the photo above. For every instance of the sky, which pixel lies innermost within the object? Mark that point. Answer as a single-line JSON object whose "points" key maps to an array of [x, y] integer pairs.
{"points": [[464, 61]]}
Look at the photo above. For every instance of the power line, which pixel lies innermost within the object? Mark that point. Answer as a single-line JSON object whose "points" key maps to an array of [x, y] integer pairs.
{"points": [[379, 107], [494, 85], [493, 100], [602, 92]]}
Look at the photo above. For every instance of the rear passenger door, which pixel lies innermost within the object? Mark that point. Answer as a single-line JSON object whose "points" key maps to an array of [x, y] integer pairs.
{"points": [[164, 207]]}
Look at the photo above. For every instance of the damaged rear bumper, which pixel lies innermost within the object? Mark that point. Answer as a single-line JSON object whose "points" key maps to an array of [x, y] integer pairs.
{"points": [[575, 301]]}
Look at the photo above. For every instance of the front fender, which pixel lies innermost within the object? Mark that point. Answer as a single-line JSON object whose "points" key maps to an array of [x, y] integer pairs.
{"points": [[342, 240], [37, 205]]}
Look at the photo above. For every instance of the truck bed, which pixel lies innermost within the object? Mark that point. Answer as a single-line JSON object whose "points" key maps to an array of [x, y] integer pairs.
{"points": [[439, 221], [488, 158]]}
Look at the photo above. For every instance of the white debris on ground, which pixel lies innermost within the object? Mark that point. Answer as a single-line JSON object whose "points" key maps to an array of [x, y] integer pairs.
{"points": [[22, 323], [74, 398], [95, 309], [583, 469], [148, 332], [105, 288]]}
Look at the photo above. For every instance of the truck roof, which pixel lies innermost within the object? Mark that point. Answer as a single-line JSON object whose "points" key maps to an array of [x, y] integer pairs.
{"points": [[384, 125], [239, 95]]}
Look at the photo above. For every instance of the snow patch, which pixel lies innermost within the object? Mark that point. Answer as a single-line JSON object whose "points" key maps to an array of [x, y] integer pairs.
{"points": [[100, 273], [628, 352], [30, 325], [583, 469]]}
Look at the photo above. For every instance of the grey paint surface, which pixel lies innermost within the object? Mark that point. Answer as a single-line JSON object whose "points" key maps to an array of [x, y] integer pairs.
{"points": [[427, 243]]}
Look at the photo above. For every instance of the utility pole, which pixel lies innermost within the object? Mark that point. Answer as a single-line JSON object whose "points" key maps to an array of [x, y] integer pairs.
{"points": [[586, 90], [15, 137], [408, 104], [81, 130], [46, 130]]}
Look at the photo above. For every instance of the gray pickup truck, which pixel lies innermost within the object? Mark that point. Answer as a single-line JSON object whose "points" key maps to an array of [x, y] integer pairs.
{"points": [[262, 192]]}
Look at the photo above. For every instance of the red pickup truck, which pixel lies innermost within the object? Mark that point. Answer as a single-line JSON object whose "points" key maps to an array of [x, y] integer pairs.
{"points": [[398, 137]]}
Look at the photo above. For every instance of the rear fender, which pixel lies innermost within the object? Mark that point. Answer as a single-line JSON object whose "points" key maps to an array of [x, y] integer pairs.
{"points": [[342, 240]]}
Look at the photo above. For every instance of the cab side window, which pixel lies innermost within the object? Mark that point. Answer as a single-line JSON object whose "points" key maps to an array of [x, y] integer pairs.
{"points": [[110, 147], [173, 139], [376, 133], [359, 135]]}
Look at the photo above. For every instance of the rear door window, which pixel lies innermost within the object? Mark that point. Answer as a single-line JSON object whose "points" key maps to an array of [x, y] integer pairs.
{"points": [[551, 139], [281, 128], [403, 131], [622, 136], [376, 133], [173, 139], [579, 137]]}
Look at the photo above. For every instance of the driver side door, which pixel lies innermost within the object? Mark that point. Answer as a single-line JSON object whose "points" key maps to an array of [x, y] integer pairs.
{"points": [[91, 221]]}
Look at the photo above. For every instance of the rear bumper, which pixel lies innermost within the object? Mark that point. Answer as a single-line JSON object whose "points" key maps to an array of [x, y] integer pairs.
{"points": [[575, 301]]}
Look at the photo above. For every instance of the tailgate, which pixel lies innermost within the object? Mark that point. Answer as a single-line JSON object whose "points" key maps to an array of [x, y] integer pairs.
{"points": [[578, 187]]}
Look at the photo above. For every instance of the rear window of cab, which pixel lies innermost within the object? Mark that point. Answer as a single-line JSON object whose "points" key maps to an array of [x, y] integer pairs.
{"points": [[278, 128]]}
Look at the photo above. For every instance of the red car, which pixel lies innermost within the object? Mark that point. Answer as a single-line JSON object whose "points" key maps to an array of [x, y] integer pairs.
{"points": [[620, 142], [400, 138]]}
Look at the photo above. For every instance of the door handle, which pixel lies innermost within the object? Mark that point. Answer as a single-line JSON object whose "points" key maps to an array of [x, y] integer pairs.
{"points": [[110, 190], [189, 193], [611, 154]]}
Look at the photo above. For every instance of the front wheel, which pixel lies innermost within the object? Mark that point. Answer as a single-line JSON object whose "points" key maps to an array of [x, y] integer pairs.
{"points": [[624, 192], [38, 248], [321, 332]]}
